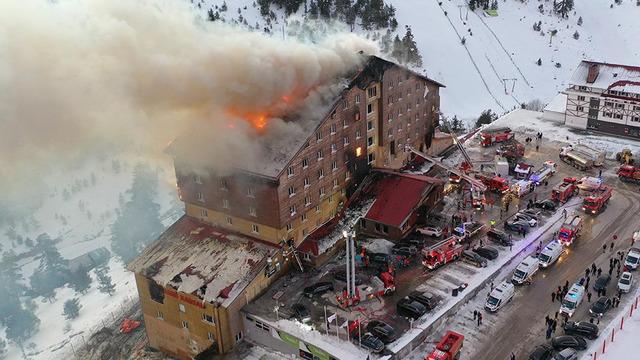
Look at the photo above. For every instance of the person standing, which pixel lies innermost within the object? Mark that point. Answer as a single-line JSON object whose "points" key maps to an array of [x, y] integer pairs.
{"points": [[513, 356], [589, 296], [479, 318], [553, 296], [475, 315], [611, 246], [604, 248]]}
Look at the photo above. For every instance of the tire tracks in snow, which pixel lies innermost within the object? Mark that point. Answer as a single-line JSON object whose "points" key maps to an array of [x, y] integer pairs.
{"points": [[446, 14]]}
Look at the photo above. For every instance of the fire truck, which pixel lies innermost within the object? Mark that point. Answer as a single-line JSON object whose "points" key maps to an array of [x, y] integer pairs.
{"points": [[629, 173], [379, 286], [494, 183], [570, 230], [441, 253], [565, 190], [489, 137], [577, 159], [512, 150], [596, 201], [544, 173], [448, 348]]}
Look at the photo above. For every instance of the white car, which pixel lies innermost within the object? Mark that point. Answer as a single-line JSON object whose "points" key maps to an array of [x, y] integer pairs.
{"points": [[524, 217], [624, 284], [430, 231]]}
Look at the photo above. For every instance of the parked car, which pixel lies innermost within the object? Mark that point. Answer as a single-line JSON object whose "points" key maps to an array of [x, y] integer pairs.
{"points": [[342, 276], [569, 341], [533, 213], [547, 204], [566, 354], [404, 250], [410, 308], [418, 243], [427, 299], [624, 284], [430, 231], [301, 313], [318, 289], [601, 282], [516, 225], [487, 252], [582, 328], [541, 352], [379, 258], [472, 258], [499, 237], [382, 331], [528, 218], [600, 306], [370, 342]]}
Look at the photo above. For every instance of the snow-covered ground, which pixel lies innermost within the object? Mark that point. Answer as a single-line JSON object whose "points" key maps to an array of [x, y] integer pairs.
{"points": [[98, 189]]}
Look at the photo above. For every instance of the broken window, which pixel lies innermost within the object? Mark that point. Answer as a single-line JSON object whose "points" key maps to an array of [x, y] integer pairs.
{"points": [[156, 292]]}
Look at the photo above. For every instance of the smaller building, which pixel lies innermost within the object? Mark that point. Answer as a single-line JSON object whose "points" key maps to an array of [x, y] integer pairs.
{"points": [[90, 260], [441, 141], [556, 109], [397, 200]]}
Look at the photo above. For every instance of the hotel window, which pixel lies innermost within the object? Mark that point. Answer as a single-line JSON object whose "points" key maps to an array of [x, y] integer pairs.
{"points": [[619, 106], [292, 210], [289, 227], [408, 108], [636, 108], [608, 103], [635, 119], [305, 232], [345, 140], [334, 165], [581, 98], [317, 208], [207, 318], [304, 217], [306, 182], [390, 132], [225, 203], [305, 163], [369, 108], [399, 111], [210, 336], [181, 308], [356, 116], [344, 124], [333, 128], [357, 99], [229, 220], [185, 324], [255, 229], [307, 201], [583, 88], [389, 100], [224, 184], [197, 179], [250, 191], [358, 134], [320, 154], [389, 117], [370, 158], [330, 198], [204, 213], [372, 91], [617, 116], [370, 141], [335, 183], [347, 175], [369, 125], [252, 211], [358, 151], [290, 171], [292, 191], [160, 315], [345, 104], [200, 197], [580, 108], [321, 191], [320, 173], [239, 336], [319, 136], [334, 148]]}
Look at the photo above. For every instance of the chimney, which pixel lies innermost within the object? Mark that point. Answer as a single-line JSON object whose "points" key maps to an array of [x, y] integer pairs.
{"points": [[593, 73]]}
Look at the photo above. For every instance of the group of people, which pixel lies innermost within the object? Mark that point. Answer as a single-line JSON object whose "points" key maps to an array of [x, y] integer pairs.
{"points": [[538, 138], [560, 293], [477, 316], [551, 324]]}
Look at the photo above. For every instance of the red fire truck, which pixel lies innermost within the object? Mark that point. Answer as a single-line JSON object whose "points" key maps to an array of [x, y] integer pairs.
{"points": [[494, 183], [441, 253], [570, 230], [378, 287], [598, 199], [629, 173], [512, 150], [489, 137], [448, 348], [565, 190]]}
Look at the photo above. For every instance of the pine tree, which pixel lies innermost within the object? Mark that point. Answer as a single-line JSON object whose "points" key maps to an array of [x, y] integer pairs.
{"points": [[487, 117], [3, 349], [20, 326], [398, 51], [11, 288], [580, 21], [473, 4], [324, 8], [539, 62], [341, 9], [80, 280], [314, 12], [494, 5], [71, 308], [52, 271], [576, 35], [104, 280], [411, 48]]}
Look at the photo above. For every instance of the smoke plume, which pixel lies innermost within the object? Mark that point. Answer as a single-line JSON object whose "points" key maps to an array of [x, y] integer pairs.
{"points": [[80, 74]]}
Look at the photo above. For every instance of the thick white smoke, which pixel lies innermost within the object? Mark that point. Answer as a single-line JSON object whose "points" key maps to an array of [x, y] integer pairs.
{"points": [[77, 74]]}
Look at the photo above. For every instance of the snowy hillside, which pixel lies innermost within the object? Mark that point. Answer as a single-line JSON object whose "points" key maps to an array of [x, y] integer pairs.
{"points": [[501, 47]]}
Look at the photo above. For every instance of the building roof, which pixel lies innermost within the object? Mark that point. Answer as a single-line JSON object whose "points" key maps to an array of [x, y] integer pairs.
{"points": [[557, 104], [608, 76], [397, 196], [201, 260]]}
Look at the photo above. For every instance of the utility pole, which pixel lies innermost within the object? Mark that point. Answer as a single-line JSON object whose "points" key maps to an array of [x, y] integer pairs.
{"points": [[513, 85]]}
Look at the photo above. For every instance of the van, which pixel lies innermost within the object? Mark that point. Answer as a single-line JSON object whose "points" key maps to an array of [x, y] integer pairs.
{"points": [[550, 253], [633, 259], [589, 183], [572, 300], [525, 271], [499, 296]]}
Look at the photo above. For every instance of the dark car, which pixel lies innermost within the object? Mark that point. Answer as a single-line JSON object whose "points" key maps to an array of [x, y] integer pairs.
{"points": [[582, 328], [379, 258], [499, 237], [546, 205], [541, 352], [472, 258], [382, 331], [601, 282], [487, 252], [600, 307], [318, 289], [342, 276], [516, 225], [428, 300], [418, 243], [369, 341], [569, 341], [301, 313], [532, 212], [404, 250], [410, 308], [566, 354]]}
